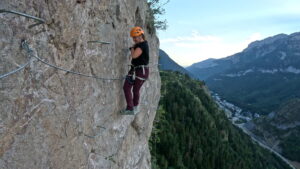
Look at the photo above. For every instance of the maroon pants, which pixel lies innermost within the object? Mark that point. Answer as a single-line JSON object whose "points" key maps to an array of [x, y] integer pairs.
{"points": [[132, 86]]}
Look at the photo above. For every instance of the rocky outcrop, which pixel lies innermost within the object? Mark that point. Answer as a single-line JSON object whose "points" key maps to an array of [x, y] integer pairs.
{"points": [[54, 119]]}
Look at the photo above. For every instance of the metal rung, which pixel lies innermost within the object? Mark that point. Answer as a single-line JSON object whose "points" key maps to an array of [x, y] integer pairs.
{"points": [[97, 41], [39, 20]]}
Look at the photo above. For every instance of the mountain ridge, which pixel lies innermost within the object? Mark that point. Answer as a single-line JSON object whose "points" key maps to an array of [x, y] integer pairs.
{"points": [[263, 79], [166, 63], [255, 51]]}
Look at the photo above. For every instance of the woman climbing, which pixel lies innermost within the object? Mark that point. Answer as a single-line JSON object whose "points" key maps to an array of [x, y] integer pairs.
{"points": [[139, 71]]}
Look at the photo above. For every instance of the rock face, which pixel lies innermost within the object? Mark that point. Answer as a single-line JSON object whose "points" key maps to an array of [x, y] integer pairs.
{"points": [[54, 119]]}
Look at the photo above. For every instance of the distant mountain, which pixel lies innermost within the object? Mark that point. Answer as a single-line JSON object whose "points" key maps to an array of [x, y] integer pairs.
{"points": [[166, 63], [203, 70], [259, 56], [205, 64], [263, 79]]}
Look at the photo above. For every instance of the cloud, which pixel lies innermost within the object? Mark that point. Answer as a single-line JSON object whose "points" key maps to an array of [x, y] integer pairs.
{"points": [[187, 50]]}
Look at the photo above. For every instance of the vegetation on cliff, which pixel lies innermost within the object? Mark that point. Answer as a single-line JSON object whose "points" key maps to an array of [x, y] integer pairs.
{"points": [[155, 12]]}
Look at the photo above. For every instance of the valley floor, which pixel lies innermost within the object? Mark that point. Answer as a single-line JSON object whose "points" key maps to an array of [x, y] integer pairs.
{"points": [[233, 113]]}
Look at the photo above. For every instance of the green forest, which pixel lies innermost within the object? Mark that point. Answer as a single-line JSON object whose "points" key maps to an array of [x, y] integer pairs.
{"points": [[256, 92], [191, 132]]}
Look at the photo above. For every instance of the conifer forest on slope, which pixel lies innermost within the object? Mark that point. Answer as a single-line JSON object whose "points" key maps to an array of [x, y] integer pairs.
{"points": [[191, 132]]}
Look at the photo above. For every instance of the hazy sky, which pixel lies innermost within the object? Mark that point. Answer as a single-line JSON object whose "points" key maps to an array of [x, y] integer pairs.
{"points": [[202, 29]]}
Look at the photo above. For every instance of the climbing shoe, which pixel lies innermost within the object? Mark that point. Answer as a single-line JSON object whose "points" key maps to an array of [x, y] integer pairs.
{"points": [[127, 112], [135, 109]]}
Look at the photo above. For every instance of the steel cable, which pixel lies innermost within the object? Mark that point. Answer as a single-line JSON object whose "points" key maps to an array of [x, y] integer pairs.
{"points": [[30, 52]]}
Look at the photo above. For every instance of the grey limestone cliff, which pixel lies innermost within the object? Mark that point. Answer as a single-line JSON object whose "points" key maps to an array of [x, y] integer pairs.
{"points": [[58, 120]]}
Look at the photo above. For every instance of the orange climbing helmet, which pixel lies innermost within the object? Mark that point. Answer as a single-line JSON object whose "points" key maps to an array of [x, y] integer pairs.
{"points": [[136, 31]]}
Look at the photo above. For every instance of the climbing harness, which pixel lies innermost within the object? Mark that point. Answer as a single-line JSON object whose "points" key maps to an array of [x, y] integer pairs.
{"points": [[131, 77], [142, 66], [39, 20]]}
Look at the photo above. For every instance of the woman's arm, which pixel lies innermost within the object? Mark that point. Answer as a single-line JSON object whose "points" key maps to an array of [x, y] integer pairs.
{"points": [[135, 53]]}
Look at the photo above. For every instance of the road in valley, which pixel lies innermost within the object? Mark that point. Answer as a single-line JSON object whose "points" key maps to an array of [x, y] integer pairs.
{"points": [[235, 114]]}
